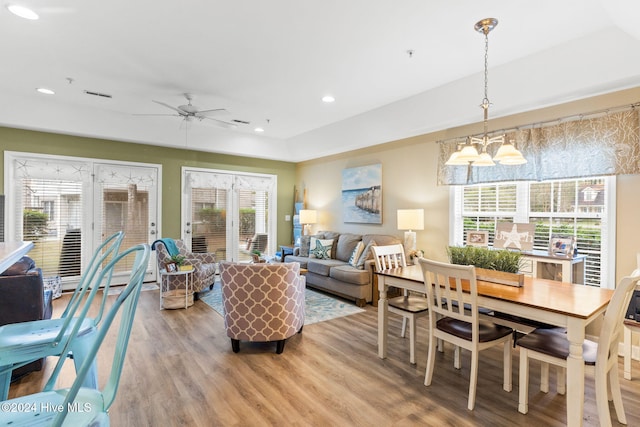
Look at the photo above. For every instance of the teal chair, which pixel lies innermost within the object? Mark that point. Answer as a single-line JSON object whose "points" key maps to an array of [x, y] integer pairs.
{"points": [[22, 343], [80, 406]]}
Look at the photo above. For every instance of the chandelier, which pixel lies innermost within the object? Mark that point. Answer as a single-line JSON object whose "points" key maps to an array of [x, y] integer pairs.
{"points": [[468, 152]]}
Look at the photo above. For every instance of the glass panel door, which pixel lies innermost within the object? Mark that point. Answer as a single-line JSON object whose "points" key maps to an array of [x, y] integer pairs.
{"points": [[126, 200]]}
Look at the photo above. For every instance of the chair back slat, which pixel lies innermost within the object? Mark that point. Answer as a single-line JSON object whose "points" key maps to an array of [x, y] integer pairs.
{"points": [[389, 256], [444, 285], [614, 316]]}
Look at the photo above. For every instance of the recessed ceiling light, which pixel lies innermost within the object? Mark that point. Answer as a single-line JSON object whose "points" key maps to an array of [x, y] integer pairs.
{"points": [[258, 130], [328, 99], [45, 91], [22, 12]]}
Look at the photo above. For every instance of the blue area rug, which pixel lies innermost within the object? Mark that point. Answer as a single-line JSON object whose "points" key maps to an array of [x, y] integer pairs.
{"points": [[318, 306]]}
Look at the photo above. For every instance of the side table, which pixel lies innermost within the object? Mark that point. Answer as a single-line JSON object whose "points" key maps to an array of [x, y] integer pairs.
{"points": [[178, 297]]}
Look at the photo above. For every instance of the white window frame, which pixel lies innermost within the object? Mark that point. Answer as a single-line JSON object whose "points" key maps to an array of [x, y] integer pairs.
{"points": [[608, 222]]}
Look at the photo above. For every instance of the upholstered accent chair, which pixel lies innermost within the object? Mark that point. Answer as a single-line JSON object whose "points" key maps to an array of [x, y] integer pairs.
{"points": [[262, 302], [204, 265]]}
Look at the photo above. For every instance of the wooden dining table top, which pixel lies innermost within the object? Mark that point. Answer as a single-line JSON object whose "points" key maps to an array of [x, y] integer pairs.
{"points": [[569, 299]]}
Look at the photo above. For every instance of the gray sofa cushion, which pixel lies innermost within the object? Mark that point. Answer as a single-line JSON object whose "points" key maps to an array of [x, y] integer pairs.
{"points": [[322, 266], [348, 274], [295, 258], [346, 243]]}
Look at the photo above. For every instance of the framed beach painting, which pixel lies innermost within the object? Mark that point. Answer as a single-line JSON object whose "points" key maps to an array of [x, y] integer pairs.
{"points": [[362, 194]]}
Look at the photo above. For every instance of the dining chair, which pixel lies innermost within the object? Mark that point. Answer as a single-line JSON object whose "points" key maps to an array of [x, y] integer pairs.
{"points": [[22, 343], [78, 405], [409, 306], [631, 325], [461, 327], [550, 346]]}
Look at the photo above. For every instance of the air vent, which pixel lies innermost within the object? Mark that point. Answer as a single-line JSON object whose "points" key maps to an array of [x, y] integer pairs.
{"points": [[242, 122], [103, 95]]}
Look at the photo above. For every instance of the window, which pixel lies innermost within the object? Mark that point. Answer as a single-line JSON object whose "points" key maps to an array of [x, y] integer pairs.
{"points": [[582, 208]]}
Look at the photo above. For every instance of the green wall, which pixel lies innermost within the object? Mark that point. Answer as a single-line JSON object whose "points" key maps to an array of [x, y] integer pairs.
{"points": [[171, 159]]}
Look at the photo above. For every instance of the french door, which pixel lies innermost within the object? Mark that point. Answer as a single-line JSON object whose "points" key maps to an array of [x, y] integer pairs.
{"points": [[222, 211], [67, 206]]}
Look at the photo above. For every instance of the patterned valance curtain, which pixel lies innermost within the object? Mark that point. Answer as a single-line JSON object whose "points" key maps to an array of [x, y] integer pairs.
{"points": [[605, 145]]}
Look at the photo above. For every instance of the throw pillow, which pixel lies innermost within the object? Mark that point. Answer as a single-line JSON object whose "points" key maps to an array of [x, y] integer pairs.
{"points": [[322, 249], [366, 255], [304, 244], [355, 255]]}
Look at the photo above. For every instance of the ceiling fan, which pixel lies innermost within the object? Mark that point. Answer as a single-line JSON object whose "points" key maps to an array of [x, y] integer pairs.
{"points": [[189, 112]]}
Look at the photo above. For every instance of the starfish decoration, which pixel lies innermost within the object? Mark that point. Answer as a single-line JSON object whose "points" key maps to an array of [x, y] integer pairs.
{"points": [[513, 237]]}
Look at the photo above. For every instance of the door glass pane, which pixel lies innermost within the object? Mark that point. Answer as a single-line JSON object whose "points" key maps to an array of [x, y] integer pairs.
{"points": [[126, 205], [209, 219], [49, 211]]}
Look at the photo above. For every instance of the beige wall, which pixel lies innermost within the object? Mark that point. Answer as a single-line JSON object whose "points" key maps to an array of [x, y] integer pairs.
{"points": [[409, 181]]}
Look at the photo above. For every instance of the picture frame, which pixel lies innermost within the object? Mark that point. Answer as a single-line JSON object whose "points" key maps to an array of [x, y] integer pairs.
{"points": [[478, 238], [512, 235], [562, 247], [170, 267], [362, 194]]}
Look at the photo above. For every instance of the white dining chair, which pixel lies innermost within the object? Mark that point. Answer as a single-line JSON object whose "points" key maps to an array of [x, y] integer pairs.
{"points": [[552, 346], [409, 306], [630, 326], [461, 327]]}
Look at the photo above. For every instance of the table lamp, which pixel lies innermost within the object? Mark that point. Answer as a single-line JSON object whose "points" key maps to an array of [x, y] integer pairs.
{"points": [[307, 217], [410, 219]]}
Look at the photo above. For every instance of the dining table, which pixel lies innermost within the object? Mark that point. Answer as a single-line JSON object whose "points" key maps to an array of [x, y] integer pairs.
{"points": [[568, 305]]}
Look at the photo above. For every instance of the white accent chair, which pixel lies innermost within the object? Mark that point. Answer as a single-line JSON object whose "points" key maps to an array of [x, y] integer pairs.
{"points": [[458, 320], [552, 346]]}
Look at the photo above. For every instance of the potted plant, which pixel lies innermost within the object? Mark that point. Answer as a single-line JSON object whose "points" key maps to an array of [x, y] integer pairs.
{"points": [[498, 266], [178, 259], [256, 255]]}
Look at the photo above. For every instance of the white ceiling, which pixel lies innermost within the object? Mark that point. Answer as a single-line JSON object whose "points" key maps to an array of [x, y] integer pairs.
{"points": [[270, 63]]}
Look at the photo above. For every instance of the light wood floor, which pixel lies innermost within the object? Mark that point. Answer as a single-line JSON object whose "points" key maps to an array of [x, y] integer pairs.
{"points": [[180, 370]]}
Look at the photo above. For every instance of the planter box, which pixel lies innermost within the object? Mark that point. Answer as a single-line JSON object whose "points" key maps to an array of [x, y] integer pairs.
{"points": [[494, 276]]}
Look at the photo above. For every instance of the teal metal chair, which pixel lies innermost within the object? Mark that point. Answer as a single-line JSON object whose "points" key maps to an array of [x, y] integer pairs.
{"points": [[80, 406], [22, 343]]}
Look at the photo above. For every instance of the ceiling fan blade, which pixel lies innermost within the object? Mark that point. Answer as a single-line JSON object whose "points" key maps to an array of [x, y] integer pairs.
{"points": [[170, 106], [221, 123], [163, 115], [212, 111]]}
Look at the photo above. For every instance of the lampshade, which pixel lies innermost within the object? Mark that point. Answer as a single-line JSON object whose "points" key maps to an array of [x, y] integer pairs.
{"points": [[468, 153], [410, 219], [484, 160], [454, 160], [308, 216]]}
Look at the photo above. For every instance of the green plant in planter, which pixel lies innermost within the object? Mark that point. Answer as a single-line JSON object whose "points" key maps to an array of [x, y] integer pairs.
{"points": [[178, 259], [489, 259]]}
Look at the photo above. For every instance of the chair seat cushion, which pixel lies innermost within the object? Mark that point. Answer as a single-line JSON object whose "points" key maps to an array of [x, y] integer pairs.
{"points": [[412, 303], [553, 342], [488, 331]]}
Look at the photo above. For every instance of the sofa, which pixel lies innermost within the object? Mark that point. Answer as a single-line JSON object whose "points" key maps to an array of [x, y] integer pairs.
{"points": [[23, 299], [346, 269]]}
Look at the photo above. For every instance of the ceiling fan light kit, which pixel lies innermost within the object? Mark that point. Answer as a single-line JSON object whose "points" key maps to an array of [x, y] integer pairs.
{"points": [[467, 153]]}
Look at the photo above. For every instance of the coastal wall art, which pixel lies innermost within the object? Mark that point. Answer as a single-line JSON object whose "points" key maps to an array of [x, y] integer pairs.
{"points": [[362, 194]]}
